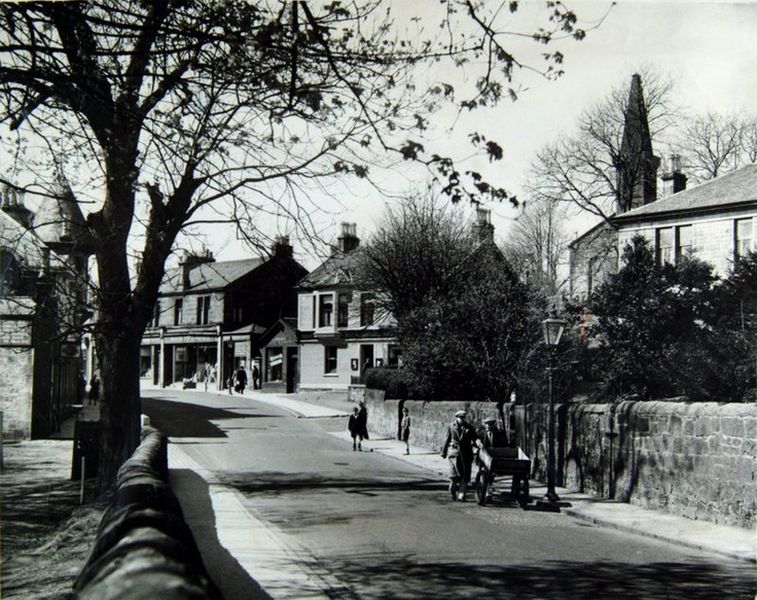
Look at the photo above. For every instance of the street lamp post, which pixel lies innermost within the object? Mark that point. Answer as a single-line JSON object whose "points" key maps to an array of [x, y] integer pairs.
{"points": [[552, 328]]}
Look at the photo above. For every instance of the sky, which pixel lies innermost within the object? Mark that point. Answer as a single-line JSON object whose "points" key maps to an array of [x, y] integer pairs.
{"points": [[706, 47]]}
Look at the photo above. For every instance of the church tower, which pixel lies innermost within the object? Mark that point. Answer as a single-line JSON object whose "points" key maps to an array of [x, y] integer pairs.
{"points": [[636, 165]]}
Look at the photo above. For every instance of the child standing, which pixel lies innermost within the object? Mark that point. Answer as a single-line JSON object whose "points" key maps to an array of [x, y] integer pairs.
{"points": [[405, 429], [354, 427]]}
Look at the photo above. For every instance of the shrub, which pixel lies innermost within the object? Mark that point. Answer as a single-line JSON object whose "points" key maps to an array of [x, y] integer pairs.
{"points": [[392, 381]]}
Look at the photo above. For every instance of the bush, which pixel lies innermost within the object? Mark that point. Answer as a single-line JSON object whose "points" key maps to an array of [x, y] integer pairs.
{"points": [[392, 381]]}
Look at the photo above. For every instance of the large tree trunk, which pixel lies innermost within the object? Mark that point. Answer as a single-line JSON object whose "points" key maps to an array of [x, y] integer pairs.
{"points": [[120, 406]]}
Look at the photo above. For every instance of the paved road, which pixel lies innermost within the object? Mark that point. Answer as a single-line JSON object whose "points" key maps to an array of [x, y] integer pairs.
{"points": [[370, 526]]}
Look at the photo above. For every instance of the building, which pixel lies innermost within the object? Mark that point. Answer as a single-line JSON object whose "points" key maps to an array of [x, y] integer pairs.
{"points": [[594, 255], [43, 292], [210, 315], [714, 221], [339, 330]]}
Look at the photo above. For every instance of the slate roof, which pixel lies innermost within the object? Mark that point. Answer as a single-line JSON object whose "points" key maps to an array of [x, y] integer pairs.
{"points": [[335, 270], [209, 276], [735, 188]]}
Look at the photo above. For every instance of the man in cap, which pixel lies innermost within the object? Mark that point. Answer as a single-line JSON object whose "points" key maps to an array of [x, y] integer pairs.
{"points": [[458, 449], [492, 436]]}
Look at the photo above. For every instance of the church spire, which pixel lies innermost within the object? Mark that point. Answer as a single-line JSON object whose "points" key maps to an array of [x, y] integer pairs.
{"points": [[636, 165]]}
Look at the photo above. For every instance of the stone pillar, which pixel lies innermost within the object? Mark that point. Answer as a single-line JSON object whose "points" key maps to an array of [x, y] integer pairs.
{"points": [[161, 363], [219, 353]]}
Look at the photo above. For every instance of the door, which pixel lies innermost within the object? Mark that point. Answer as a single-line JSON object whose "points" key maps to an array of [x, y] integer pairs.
{"points": [[366, 359], [292, 370]]}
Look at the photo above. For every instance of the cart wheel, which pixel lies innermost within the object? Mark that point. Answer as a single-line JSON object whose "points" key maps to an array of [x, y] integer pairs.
{"points": [[482, 484]]}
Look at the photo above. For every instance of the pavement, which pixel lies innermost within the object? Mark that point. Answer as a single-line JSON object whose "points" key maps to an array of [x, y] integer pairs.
{"points": [[234, 527]]}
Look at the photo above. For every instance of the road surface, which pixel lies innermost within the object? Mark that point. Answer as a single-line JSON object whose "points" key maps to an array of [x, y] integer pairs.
{"points": [[365, 525]]}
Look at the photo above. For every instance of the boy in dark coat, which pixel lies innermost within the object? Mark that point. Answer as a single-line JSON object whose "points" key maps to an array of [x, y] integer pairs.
{"points": [[353, 426]]}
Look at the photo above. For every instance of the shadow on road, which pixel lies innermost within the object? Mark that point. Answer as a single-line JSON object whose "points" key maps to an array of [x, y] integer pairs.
{"points": [[227, 574], [408, 578], [194, 420]]}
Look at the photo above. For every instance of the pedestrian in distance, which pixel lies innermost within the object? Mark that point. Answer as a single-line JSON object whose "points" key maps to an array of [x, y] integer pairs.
{"points": [[458, 449], [353, 426], [362, 424], [230, 384], [405, 429], [94, 389], [241, 379], [255, 377]]}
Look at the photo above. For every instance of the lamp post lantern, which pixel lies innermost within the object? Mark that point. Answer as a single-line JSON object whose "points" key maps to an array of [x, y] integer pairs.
{"points": [[552, 328]]}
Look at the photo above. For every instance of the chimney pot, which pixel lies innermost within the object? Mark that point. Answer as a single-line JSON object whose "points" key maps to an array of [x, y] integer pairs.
{"points": [[348, 241]]}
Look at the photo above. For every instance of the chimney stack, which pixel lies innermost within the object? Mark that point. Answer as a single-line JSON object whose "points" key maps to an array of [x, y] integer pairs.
{"points": [[190, 260], [483, 230], [348, 241], [673, 181], [281, 247]]}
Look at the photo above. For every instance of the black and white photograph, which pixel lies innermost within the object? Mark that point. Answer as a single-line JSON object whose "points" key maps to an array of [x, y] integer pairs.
{"points": [[375, 299]]}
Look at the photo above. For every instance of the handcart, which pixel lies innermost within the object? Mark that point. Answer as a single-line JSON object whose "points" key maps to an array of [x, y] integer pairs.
{"points": [[503, 462]]}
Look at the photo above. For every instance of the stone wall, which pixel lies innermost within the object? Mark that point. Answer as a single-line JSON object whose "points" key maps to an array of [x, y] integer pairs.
{"points": [[144, 548], [429, 420], [17, 359], [696, 460]]}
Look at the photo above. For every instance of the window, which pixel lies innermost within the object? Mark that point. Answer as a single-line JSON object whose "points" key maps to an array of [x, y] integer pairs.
{"points": [[237, 314], [683, 242], [325, 310], [394, 356], [343, 306], [664, 245], [203, 310], [178, 309], [10, 273], [744, 233], [156, 314], [367, 309], [329, 359]]}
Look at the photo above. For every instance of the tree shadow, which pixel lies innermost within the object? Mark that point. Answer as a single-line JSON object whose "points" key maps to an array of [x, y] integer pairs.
{"points": [[406, 577], [193, 420]]}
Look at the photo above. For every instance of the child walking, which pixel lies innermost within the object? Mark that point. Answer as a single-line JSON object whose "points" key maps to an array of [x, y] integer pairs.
{"points": [[405, 429]]}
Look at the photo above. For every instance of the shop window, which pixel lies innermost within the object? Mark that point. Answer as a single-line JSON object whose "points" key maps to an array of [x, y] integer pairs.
{"points": [[275, 364], [343, 310], [367, 309], [744, 234], [325, 310], [203, 310], [178, 311], [329, 362]]}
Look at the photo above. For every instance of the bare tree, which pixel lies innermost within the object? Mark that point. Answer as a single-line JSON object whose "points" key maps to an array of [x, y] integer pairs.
{"points": [[537, 244], [204, 111], [582, 168], [712, 144]]}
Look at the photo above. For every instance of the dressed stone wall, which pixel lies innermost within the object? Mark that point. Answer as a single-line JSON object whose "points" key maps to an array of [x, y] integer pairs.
{"points": [[17, 358], [695, 460]]}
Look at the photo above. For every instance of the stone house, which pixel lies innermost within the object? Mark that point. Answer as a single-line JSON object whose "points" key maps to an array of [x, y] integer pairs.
{"points": [[210, 315], [339, 329], [714, 221], [43, 294]]}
